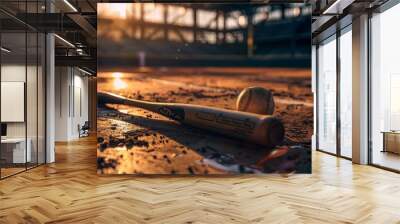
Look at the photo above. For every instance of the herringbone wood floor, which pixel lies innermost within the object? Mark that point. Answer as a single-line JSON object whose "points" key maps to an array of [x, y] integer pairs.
{"points": [[70, 191]]}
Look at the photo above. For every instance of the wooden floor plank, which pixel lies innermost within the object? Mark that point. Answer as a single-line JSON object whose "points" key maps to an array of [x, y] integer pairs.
{"points": [[70, 191]]}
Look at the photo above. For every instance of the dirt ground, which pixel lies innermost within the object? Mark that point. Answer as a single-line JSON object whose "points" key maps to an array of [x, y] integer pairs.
{"points": [[135, 141]]}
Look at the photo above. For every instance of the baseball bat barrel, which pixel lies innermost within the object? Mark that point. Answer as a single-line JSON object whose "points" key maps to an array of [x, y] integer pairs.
{"points": [[260, 129]]}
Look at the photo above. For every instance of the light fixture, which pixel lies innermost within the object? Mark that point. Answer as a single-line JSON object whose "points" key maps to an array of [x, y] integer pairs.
{"points": [[65, 41], [5, 50], [70, 5], [84, 71]]}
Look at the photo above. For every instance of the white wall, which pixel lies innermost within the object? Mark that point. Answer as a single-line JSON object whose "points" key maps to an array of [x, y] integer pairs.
{"points": [[80, 110], [71, 94], [62, 80], [14, 73]]}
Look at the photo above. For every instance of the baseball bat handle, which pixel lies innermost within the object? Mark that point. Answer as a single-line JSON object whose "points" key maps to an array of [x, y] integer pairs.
{"points": [[111, 98], [260, 129]]}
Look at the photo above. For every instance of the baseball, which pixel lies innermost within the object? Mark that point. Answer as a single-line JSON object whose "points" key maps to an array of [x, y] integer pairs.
{"points": [[256, 100]]}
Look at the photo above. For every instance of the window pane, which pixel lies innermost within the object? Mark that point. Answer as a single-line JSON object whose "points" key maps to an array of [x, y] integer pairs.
{"points": [[385, 114], [346, 94], [327, 96]]}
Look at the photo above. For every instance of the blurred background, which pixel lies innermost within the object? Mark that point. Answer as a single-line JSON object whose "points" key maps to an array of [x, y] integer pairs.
{"points": [[151, 34]]}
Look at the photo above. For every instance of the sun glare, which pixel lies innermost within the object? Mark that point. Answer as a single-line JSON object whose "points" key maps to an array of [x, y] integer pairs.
{"points": [[114, 10], [119, 84], [117, 75]]}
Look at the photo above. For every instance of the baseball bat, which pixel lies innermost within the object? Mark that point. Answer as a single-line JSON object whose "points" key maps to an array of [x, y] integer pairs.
{"points": [[260, 129]]}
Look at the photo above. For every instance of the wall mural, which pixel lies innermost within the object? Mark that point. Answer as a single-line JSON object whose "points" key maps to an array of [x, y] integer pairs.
{"points": [[202, 89]]}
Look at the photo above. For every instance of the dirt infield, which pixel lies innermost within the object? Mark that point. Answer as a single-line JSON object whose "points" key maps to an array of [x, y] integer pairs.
{"points": [[135, 141]]}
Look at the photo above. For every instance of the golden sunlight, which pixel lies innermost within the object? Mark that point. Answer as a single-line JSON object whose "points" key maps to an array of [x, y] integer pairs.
{"points": [[117, 75], [115, 10], [119, 84]]}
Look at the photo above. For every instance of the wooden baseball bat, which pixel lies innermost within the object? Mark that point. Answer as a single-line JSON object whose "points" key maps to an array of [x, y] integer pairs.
{"points": [[260, 129]]}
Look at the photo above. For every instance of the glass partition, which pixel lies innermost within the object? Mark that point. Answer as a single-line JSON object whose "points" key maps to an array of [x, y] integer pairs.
{"points": [[22, 78]]}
